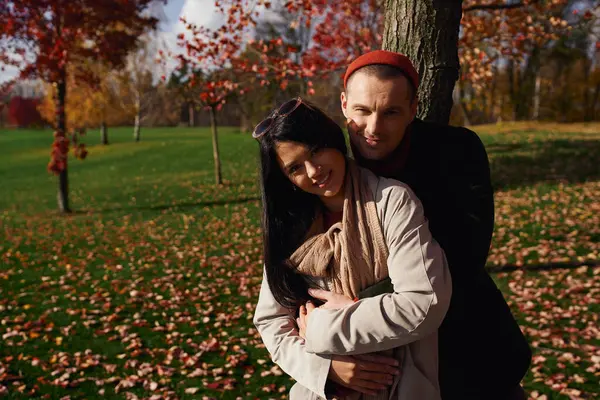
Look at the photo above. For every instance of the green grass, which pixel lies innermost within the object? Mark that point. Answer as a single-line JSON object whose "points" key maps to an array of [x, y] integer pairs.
{"points": [[149, 287]]}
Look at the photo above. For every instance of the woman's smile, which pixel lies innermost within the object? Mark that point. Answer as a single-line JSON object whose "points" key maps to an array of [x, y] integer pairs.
{"points": [[322, 183]]}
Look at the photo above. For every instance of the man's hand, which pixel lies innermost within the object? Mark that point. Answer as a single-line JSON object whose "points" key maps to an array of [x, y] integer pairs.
{"points": [[367, 373], [333, 301]]}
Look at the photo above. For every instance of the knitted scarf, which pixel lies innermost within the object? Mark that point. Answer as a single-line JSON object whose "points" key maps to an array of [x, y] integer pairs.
{"points": [[351, 254]]}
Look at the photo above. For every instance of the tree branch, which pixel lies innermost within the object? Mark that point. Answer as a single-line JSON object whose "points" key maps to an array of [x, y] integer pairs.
{"points": [[476, 7]]}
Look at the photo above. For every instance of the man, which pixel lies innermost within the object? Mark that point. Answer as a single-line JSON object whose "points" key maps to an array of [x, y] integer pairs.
{"points": [[483, 354]]}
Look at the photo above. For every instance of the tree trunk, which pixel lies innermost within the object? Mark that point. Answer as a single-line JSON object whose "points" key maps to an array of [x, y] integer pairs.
{"points": [[136, 124], [104, 133], [588, 111], [492, 109], [427, 32], [191, 115], [512, 87], [457, 98], [136, 128], [63, 177], [595, 101], [215, 141], [536, 98], [244, 123], [522, 84]]}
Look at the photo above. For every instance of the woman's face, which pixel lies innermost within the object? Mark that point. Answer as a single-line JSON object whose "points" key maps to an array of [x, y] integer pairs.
{"points": [[319, 172]]}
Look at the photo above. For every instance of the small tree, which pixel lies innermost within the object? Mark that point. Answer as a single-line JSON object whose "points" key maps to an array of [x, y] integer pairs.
{"points": [[214, 90], [187, 95], [139, 92], [88, 104], [208, 50], [43, 37]]}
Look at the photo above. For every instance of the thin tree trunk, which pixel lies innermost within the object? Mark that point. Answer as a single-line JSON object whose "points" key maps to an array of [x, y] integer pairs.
{"points": [[63, 177], [191, 115], [499, 118], [588, 111], [136, 128], [492, 110], [136, 124], [245, 122], [104, 133], [427, 32], [215, 141], [595, 101], [536, 97], [565, 103], [457, 98], [512, 87]]}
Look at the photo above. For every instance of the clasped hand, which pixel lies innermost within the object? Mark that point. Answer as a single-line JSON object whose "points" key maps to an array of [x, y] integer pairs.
{"points": [[366, 373]]}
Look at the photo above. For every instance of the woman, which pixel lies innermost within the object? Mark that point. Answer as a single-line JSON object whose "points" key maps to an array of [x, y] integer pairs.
{"points": [[331, 225]]}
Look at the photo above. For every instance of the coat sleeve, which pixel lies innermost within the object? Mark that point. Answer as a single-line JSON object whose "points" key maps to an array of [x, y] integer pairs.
{"points": [[465, 233], [422, 287], [277, 328]]}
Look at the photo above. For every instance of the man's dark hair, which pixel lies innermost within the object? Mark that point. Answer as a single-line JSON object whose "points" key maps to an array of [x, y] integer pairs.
{"points": [[384, 72]]}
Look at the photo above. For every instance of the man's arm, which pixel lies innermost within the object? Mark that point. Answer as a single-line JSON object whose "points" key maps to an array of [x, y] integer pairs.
{"points": [[422, 288], [466, 228], [277, 328]]}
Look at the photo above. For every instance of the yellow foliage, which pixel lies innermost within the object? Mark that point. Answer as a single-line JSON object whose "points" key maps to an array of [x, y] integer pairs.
{"points": [[87, 105]]}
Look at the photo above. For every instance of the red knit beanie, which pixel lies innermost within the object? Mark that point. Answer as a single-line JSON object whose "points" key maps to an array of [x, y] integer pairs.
{"points": [[385, 57]]}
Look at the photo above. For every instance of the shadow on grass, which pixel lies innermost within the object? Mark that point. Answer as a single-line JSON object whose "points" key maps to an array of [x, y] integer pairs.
{"points": [[172, 207], [552, 161], [541, 267]]}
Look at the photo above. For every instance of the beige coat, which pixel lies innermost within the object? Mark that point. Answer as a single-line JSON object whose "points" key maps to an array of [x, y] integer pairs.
{"points": [[408, 317]]}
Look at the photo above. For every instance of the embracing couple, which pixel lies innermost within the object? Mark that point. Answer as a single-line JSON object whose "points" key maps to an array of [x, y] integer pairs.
{"points": [[374, 282]]}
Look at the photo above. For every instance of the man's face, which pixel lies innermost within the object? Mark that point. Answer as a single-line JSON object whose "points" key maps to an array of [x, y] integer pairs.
{"points": [[380, 111]]}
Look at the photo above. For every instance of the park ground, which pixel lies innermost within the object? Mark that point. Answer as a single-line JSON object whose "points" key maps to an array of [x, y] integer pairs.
{"points": [[147, 290]]}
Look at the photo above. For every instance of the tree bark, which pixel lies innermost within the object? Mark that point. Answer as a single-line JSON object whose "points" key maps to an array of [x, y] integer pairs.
{"points": [[215, 142], [427, 32], [104, 133], [63, 177]]}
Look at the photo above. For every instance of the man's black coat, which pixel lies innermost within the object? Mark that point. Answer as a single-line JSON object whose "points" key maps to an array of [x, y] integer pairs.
{"points": [[483, 354]]}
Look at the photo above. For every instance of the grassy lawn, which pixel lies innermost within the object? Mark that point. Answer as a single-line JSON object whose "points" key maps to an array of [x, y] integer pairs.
{"points": [[148, 289]]}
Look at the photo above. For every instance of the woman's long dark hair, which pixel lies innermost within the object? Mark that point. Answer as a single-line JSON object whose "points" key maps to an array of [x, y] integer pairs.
{"points": [[288, 211]]}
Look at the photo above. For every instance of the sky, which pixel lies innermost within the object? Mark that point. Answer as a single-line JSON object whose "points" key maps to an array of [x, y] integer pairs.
{"points": [[200, 12]]}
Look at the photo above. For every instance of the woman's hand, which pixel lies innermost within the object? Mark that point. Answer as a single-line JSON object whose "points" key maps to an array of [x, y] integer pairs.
{"points": [[333, 301], [367, 373]]}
